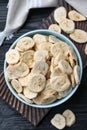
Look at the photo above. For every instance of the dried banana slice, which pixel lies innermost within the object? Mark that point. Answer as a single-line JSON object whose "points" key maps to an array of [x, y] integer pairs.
{"points": [[64, 93], [65, 67], [40, 67], [79, 36], [39, 38], [67, 25], [37, 83], [58, 121], [25, 98], [76, 16], [16, 85], [55, 27], [56, 49], [53, 39], [56, 72], [56, 60], [69, 117], [25, 43], [77, 74], [24, 80], [29, 94], [43, 99], [48, 89], [60, 13], [28, 58], [72, 79], [12, 56], [41, 55], [45, 46], [17, 71], [60, 83], [86, 49]]}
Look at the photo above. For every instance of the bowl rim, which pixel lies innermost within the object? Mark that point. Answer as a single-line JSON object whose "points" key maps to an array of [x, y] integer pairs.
{"points": [[61, 36]]}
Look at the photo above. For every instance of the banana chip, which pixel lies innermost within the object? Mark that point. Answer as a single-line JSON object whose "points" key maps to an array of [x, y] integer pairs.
{"points": [[28, 58], [16, 85], [60, 83], [17, 71], [25, 43], [40, 67], [76, 16], [55, 27], [12, 56], [79, 36], [37, 83]]}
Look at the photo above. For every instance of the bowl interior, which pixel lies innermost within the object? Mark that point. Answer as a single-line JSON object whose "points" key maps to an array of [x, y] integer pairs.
{"points": [[61, 37]]}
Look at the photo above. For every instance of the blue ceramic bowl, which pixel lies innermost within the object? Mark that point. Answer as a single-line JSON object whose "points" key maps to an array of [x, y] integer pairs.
{"points": [[61, 37]]}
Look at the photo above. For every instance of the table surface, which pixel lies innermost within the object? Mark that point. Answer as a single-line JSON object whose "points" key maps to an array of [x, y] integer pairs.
{"points": [[9, 118]]}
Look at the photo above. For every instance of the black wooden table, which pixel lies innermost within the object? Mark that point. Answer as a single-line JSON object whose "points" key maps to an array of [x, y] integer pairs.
{"points": [[9, 118]]}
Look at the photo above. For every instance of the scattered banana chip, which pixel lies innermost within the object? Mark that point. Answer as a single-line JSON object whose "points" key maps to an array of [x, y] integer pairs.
{"points": [[37, 83], [58, 121], [86, 49], [43, 69], [16, 85], [67, 25], [29, 94], [60, 83], [79, 36], [55, 27], [25, 43], [12, 56], [76, 16], [40, 67], [25, 98], [60, 13], [70, 117], [77, 74], [28, 58]]}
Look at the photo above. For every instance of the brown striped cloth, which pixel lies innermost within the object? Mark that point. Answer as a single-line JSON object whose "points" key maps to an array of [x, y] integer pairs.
{"points": [[33, 115]]}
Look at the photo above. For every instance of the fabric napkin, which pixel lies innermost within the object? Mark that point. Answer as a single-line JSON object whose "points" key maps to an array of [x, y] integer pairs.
{"points": [[17, 14]]}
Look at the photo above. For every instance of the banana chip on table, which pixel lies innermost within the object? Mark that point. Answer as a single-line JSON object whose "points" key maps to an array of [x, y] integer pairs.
{"points": [[79, 36], [76, 16], [58, 121], [55, 27], [60, 13], [67, 25], [69, 117]]}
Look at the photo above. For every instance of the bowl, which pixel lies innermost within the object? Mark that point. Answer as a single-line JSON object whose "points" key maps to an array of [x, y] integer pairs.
{"points": [[61, 37]]}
